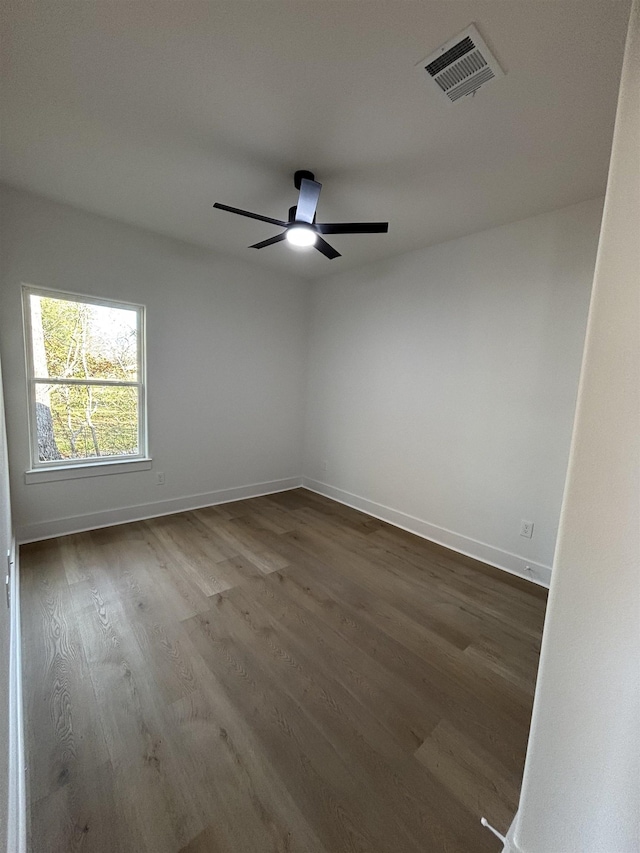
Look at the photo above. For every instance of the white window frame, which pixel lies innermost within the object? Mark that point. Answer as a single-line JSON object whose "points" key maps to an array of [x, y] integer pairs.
{"points": [[59, 469]]}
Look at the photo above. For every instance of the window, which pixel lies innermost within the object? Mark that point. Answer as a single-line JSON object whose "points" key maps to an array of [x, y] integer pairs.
{"points": [[85, 371]]}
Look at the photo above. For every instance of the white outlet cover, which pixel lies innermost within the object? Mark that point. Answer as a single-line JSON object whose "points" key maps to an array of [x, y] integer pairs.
{"points": [[526, 529]]}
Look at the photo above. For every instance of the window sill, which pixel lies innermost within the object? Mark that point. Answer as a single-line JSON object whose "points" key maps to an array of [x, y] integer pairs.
{"points": [[88, 469]]}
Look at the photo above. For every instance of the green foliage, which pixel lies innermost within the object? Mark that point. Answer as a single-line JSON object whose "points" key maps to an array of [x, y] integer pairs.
{"points": [[94, 420], [78, 340], [84, 341]]}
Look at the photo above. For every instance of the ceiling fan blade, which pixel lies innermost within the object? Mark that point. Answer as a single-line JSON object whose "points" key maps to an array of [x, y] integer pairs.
{"points": [[307, 200], [327, 250], [250, 215], [352, 227], [269, 242]]}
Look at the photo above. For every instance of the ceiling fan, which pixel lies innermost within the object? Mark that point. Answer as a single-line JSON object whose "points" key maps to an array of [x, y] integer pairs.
{"points": [[301, 229]]}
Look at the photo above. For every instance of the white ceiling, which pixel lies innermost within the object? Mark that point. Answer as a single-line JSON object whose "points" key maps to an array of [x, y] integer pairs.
{"points": [[150, 111]]}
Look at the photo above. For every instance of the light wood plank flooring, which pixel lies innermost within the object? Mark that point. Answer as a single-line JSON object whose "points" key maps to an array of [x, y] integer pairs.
{"points": [[277, 674]]}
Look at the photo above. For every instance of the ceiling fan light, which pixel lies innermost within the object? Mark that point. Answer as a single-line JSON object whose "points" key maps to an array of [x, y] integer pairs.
{"points": [[301, 236]]}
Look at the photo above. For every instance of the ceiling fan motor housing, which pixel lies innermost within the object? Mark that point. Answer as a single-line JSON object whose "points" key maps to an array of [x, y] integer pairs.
{"points": [[299, 175]]}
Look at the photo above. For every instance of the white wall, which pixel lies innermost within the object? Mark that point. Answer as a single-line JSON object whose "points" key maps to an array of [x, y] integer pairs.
{"points": [[5, 545], [226, 363], [581, 788], [442, 384]]}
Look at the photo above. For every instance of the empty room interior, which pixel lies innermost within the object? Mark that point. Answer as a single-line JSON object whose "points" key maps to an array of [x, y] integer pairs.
{"points": [[319, 440]]}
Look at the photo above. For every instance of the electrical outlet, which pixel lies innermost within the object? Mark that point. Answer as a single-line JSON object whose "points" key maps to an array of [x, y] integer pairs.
{"points": [[526, 529], [160, 478]]}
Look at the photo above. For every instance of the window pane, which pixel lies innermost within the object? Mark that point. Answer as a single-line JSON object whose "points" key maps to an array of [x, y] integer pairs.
{"points": [[79, 340], [80, 421]]}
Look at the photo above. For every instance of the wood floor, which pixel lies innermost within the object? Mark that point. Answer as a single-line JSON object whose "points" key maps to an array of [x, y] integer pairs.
{"points": [[277, 674]]}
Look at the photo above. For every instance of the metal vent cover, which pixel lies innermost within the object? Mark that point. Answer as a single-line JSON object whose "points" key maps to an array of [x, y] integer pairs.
{"points": [[462, 65]]}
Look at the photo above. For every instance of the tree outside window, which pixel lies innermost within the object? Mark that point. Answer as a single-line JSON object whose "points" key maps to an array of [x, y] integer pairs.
{"points": [[85, 360]]}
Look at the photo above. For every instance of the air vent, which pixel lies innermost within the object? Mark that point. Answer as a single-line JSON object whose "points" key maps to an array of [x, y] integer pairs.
{"points": [[462, 65]]}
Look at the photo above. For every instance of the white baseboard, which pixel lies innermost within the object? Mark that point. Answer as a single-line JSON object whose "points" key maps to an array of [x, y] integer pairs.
{"points": [[108, 518], [17, 800], [513, 563], [497, 557], [511, 846]]}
